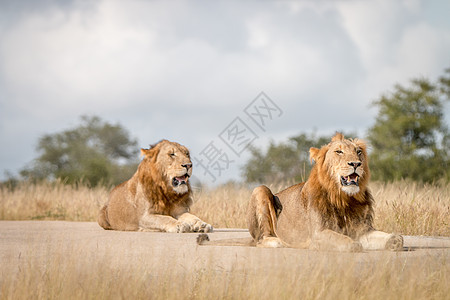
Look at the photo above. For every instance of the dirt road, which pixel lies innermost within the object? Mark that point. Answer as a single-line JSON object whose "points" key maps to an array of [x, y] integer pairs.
{"points": [[44, 241]]}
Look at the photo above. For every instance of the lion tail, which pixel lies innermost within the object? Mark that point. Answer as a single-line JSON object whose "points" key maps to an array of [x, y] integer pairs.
{"points": [[203, 239], [103, 218]]}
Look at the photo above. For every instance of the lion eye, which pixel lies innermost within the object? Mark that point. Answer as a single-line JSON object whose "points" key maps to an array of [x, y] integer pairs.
{"points": [[339, 152], [359, 152], [172, 154]]}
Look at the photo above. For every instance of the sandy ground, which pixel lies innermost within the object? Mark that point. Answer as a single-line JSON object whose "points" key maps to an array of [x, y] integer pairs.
{"points": [[42, 241]]}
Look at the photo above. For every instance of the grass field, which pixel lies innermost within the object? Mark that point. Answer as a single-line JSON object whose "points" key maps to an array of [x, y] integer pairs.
{"points": [[331, 276], [402, 207]]}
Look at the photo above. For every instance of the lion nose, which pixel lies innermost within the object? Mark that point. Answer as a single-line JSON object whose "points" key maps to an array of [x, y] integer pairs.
{"points": [[354, 164], [187, 166]]}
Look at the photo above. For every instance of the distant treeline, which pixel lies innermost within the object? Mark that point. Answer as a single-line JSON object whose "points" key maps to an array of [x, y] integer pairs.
{"points": [[409, 140]]}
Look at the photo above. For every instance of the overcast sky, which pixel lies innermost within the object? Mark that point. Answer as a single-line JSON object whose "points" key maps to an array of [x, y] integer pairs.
{"points": [[192, 71]]}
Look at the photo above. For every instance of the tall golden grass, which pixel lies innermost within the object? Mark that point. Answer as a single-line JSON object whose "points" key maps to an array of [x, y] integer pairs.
{"points": [[82, 275], [403, 207], [51, 201]]}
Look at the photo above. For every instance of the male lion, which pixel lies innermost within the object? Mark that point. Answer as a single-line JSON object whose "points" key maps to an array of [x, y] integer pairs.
{"points": [[157, 197], [332, 210]]}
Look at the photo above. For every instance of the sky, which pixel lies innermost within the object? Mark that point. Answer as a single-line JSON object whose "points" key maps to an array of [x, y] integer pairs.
{"points": [[212, 75]]}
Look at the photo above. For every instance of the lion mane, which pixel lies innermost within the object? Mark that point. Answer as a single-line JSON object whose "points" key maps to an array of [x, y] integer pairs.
{"points": [[157, 197]]}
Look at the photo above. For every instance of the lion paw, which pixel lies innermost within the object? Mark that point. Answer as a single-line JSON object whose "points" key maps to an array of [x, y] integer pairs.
{"points": [[201, 226], [179, 227], [270, 242], [183, 227], [395, 243]]}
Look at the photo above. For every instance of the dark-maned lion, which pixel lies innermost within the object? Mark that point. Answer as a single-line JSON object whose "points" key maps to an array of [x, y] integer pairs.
{"points": [[157, 197], [332, 210]]}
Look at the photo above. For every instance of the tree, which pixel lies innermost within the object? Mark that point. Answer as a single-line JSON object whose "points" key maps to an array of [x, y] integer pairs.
{"points": [[282, 162], [95, 151], [410, 138], [277, 164]]}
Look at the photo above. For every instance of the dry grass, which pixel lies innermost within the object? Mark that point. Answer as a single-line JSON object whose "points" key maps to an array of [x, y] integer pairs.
{"points": [[51, 201], [412, 209], [330, 276], [403, 207]]}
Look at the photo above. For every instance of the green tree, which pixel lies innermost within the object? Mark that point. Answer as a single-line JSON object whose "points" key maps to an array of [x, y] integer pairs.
{"points": [[95, 151], [285, 161], [278, 163], [410, 138]]}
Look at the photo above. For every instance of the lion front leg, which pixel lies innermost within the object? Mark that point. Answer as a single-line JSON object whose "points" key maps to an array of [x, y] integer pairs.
{"points": [[261, 218], [331, 240], [194, 223], [151, 222], [379, 240]]}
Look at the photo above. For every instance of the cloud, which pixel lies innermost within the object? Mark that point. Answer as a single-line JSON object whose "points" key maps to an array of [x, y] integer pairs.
{"points": [[184, 69], [395, 42]]}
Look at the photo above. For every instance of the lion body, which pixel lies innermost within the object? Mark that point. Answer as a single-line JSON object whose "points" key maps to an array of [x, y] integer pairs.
{"points": [[332, 210], [157, 196]]}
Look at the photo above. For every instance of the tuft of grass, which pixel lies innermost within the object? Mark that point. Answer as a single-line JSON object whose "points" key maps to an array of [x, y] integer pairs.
{"points": [[403, 207]]}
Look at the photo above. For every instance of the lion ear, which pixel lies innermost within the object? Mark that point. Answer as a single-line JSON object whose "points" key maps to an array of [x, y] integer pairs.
{"points": [[361, 144], [313, 154], [144, 152], [337, 137], [148, 152]]}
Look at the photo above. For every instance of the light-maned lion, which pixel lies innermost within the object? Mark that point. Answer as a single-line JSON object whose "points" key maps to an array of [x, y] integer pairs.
{"points": [[332, 210], [157, 197]]}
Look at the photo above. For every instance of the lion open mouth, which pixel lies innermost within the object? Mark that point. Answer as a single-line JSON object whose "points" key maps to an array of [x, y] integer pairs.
{"points": [[177, 181], [352, 179]]}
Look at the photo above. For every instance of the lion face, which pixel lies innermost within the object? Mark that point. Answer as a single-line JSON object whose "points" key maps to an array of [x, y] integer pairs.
{"points": [[173, 163], [345, 162]]}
